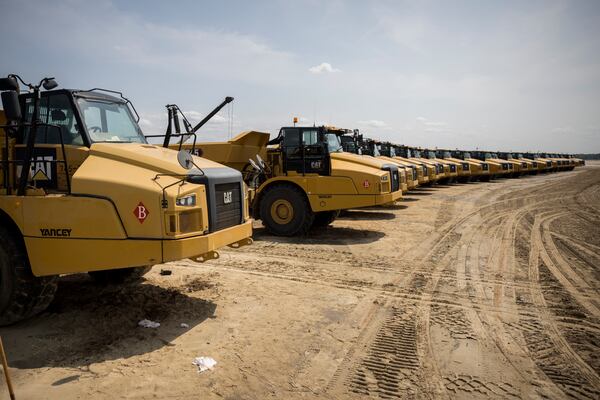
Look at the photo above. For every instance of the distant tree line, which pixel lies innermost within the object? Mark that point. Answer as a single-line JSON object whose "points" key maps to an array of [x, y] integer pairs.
{"points": [[589, 156]]}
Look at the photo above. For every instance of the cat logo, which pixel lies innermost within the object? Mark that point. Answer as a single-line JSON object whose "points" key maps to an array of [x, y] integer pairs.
{"points": [[41, 168], [227, 197], [315, 164]]}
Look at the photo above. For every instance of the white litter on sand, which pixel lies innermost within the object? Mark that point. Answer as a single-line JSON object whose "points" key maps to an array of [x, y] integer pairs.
{"points": [[184, 325], [204, 363], [146, 323]]}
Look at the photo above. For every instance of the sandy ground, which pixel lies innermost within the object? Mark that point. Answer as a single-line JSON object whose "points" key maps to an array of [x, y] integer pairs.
{"points": [[461, 291]]}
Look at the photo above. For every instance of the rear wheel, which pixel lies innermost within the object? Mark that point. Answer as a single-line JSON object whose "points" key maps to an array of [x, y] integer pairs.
{"points": [[285, 211], [325, 218], [22, 295], [120, 275]]}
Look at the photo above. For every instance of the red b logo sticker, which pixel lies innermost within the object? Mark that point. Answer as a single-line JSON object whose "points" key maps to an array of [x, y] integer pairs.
{"points": [[141, 212], [366, 184]]}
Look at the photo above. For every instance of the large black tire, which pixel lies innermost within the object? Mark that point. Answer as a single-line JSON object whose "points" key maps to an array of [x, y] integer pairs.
{"points": [[22, 295], [325, 218], [120, 275], [285, 211]]}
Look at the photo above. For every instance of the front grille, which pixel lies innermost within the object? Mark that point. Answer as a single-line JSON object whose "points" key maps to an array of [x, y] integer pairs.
{"points": [[485, 166], [229, 205], [424, 170], [465, 166], [505, 167], [452, 168], [414, 173]]}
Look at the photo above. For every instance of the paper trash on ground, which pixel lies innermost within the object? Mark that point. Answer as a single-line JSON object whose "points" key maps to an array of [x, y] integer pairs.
{"points": [[204, 363], [146, 323]]}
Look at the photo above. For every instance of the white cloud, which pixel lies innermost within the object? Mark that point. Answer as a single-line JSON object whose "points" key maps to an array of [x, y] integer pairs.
{"points": [[322, 69], [432, 126], [374, 123]]}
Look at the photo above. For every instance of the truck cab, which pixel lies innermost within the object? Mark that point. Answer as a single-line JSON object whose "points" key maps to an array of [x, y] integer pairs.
{"points": [[84, 191]]}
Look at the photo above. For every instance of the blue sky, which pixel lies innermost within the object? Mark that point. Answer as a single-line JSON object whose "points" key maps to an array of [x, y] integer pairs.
{"points": [[510, 75]]}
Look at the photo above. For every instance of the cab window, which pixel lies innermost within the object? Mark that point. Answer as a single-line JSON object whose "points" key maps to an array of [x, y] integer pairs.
{"points": [[55, 110]]}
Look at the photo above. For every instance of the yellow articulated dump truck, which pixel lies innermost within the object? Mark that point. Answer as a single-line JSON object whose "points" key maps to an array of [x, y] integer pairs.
{"points": [[82, 191], [451, 169], [466, 170], [525, 167], [354, 142], [382, 152], [387, 153], [302, 178], [498, 168], [403, 153], [480, 170]]}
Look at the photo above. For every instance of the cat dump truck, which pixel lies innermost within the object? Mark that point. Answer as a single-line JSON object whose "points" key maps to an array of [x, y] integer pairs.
{"points": [[525, 167], [466, 170], [82, 191], [381, 151], [498, 168], [386, 152], [430, 172], [357, 144], [451, 168], [480, 170], [546, 163], [302, 178], [533, 167], [435, 168], [370, 149]]}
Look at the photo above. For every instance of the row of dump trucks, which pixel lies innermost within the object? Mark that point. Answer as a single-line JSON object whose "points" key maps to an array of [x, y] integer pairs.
{"points": [[82, 189]]}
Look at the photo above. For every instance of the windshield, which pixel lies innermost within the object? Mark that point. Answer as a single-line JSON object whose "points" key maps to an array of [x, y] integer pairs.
{"points": [[431, 154], [110, 122], [488, 155], [520, 155], [447, 154], [416, 154], [467, 155], [333, 143], [494, 155], [509, 156], [376, 152]]}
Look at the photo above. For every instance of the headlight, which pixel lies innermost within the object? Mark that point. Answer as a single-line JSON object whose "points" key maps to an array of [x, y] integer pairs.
{"points": [[186, 201], [384, 178]]}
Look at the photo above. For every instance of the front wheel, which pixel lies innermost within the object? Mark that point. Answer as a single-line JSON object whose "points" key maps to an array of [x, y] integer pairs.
{"points": [[22, 295], [285, 211], [325, 218]]}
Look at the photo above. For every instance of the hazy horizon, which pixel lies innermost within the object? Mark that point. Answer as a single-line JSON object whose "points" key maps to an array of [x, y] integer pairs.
{"points": [[506, 76]]}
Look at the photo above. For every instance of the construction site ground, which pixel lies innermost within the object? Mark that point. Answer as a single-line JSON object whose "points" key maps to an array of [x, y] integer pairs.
{"points": [[472, 290]]}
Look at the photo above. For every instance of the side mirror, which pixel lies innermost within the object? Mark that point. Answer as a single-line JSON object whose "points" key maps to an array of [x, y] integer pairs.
{"points": [[185, 159], [49, 84], [12, 108], [9, 83], [58, 115]]}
